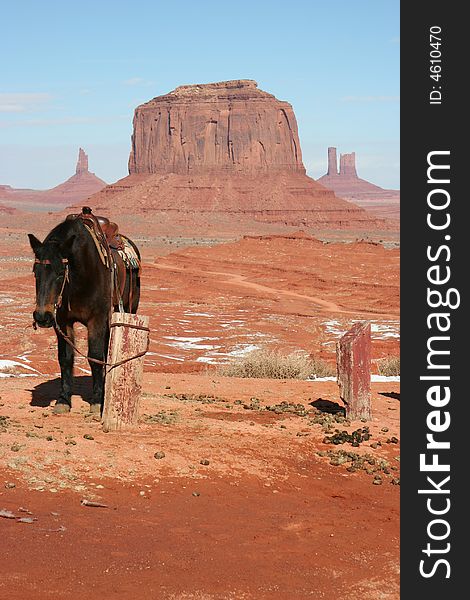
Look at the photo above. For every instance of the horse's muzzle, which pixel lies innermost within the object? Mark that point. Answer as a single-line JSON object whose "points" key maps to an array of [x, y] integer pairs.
{"points": [[43, 319]]}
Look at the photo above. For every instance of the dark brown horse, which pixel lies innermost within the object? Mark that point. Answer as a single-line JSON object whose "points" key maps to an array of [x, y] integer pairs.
{"points": [[73, 284]]}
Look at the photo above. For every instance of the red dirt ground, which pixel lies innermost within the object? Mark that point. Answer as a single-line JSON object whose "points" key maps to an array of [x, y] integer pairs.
{"points": [[273, 518]]}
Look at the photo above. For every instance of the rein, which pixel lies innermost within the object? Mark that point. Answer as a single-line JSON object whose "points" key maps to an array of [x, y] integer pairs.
{"points": [[103, 363]]}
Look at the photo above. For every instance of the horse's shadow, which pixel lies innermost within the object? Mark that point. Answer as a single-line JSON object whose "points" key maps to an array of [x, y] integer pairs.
{"points": [[44, 394]]}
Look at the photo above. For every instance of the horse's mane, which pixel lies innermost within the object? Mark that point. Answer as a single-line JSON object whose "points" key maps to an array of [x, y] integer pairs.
{"points": [[62, 231]]}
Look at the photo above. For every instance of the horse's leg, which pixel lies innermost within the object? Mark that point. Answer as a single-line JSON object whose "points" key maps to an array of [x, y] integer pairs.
{"points": [[66, 356], [98, 337]]}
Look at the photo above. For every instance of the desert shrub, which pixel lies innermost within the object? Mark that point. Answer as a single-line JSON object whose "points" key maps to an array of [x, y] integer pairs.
{"points": [[389, 366], [270, 364]]}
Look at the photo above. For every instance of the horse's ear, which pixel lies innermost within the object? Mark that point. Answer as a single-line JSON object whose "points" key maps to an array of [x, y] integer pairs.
{"points": [[35, 243], [66, 247]]}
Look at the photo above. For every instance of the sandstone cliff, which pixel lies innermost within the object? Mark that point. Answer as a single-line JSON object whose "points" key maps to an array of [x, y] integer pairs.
{"points": [[224, 153], [348, 185], [77, 188], [231, 126]]}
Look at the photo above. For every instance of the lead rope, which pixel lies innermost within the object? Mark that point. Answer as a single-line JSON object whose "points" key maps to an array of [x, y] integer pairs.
{"points": [[102, 362], [67, 339], [58, 304]]}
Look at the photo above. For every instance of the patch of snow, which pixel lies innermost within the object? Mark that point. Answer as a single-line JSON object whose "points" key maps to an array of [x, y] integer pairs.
{"points": [[8, 368], [373, 378], [169, 357]]}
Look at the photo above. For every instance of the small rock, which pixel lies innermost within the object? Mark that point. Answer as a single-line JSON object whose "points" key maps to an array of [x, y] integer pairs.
{"points": [[88, 436], [377, 481], [158, 455], [10, 485], [196, 494], [26, 520], [15, 447], [204, 462], [384, 429], [49, 438], [70, 443]]}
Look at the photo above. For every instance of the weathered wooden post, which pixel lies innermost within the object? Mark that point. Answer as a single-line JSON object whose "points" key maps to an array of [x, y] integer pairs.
{"points": [[128, 338], [353, 371]]}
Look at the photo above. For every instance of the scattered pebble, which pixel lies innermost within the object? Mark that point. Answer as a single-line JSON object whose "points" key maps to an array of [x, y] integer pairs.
{"points": [[158, 455], [26, 520], [10, 485], [88, 436], [196, 493], [204, 462], [92, 503]]}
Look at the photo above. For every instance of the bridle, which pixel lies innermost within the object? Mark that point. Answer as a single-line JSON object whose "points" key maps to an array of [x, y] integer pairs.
{"points": [[65, 280]]}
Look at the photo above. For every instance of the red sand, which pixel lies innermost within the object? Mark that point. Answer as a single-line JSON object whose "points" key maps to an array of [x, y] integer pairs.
{"points": [[273, 519]]}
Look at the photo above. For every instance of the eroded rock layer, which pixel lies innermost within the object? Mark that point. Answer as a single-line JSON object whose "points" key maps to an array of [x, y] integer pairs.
{"points": [[228, 126], [224, 154], [346, 184]]}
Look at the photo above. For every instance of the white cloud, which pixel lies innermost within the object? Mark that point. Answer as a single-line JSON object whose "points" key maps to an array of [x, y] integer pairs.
{"points": [[23, 101], [133, 81], [137, 81], [61, 121], [370, 99]]}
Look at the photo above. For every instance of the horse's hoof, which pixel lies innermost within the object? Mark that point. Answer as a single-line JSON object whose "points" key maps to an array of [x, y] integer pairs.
{"points": [[61, 409], [95, 409]]}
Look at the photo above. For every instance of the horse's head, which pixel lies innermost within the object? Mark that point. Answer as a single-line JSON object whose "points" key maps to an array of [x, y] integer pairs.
{"points": [[50, 270]]}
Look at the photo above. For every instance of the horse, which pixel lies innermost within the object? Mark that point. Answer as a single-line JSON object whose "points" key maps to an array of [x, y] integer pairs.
{"points": [[75, 284]]}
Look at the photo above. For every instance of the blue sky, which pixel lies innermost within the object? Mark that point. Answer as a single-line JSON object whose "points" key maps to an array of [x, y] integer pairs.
{"points": [[72, 73]]}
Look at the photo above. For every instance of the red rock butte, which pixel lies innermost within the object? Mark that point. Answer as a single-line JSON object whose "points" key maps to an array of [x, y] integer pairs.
{"points": [[224, 149], [229, 126], [346, 184], [77, 188]]}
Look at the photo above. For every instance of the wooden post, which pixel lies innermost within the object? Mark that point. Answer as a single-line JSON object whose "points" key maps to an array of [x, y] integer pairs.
{"points": [[124, 383], [353, 371]]}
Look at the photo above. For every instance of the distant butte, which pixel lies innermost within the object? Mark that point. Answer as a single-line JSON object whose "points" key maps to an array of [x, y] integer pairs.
{"points": [[346, 184], [207, 154], [77, 188]]}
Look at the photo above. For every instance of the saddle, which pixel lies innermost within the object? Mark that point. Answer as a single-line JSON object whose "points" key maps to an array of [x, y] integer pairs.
{"points": [[101, 226], [114, 249]]}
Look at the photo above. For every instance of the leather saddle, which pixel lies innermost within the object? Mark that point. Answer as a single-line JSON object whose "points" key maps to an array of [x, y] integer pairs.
{"points": [[106, 233]]}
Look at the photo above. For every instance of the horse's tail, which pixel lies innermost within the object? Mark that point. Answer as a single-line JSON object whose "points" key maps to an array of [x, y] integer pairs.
{"points": [[133, 262]]}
